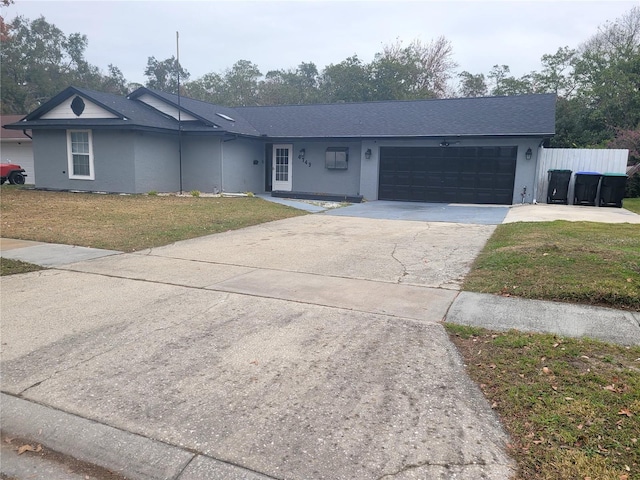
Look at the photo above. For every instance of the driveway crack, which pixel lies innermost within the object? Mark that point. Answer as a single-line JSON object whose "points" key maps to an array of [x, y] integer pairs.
{"points": [[75, 365], [404, 267], [413, 466]]}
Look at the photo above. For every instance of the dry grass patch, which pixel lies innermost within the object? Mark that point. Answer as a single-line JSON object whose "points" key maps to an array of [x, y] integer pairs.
{"points": [[126, 222], [583, 262], [571, 407], [11, 267]]}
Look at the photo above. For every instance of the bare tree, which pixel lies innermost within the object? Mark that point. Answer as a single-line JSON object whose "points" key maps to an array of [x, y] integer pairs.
{"points": [[419, 70]]}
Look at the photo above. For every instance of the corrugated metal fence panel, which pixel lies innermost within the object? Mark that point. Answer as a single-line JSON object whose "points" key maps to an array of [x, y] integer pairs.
{"points": [[577, 160]]}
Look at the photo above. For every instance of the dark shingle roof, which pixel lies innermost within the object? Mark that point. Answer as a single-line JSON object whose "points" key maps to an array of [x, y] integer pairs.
{"points": [[484, 116], [206, 111], [131, 114], [515, 115]]}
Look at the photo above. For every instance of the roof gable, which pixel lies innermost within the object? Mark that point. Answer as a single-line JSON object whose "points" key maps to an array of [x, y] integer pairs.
{"points": [[223, 118], [72, 108], [59, 107], [160, 104], [126, 114]]}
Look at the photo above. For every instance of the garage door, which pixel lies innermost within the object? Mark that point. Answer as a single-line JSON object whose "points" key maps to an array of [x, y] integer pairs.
{"points": [[448, 174]]}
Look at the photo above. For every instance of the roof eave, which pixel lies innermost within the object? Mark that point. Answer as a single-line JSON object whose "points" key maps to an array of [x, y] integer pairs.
{"points": [[435, 135], [15, 139]]}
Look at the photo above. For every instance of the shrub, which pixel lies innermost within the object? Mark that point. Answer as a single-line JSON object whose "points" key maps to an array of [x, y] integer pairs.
{"points": [[632, 188], [195, 193]]}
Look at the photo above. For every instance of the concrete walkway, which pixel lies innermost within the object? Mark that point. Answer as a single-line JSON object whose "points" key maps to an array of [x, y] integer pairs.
{"points": [[310, 347], [49, 254]]}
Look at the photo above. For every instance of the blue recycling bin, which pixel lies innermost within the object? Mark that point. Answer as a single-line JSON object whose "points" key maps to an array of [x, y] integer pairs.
{"points": [[586, 188]]}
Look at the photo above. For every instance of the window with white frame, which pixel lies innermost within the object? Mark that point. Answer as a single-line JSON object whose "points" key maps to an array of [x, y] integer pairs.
{"points": [[80, 154]]}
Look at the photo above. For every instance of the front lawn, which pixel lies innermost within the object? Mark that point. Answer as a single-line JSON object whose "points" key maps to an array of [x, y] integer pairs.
{"points": [[632, 204], [584, 262], [571, 407], [127, 222]]}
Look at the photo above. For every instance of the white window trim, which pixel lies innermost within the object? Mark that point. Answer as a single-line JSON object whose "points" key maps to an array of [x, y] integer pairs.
{"points": [[91, 175]]}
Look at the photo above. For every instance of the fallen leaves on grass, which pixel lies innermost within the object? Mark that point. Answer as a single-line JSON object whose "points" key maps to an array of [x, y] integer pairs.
{"points": [[570, 406]]}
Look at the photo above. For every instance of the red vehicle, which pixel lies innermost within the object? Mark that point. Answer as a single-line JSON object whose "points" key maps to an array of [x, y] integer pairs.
{"points": [[12, 172]]}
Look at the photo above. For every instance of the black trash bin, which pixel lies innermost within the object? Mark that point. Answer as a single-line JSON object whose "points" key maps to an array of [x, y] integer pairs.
{"points": [[586, 188], [612, 189], [558, 186]]}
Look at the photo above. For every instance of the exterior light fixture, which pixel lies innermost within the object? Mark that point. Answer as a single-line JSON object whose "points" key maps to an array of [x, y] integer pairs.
{"points": [[528, 154], [367, 154], [301, 154]]}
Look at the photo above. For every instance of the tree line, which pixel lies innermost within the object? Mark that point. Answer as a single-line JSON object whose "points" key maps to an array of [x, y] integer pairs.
{"points": [[597, 84]]}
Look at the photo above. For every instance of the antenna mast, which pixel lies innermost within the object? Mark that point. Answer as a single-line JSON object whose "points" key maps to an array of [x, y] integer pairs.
{"points": [[179, 109]]}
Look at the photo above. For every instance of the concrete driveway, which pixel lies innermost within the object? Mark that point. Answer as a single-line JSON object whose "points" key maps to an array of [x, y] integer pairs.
{"points": [[304, 348]]}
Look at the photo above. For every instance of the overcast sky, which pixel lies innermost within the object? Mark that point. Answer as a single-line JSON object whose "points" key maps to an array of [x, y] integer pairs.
{"points": [[275, 35]]}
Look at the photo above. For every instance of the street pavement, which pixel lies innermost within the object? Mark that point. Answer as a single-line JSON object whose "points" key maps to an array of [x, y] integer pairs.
{"points": [[304, 348]]}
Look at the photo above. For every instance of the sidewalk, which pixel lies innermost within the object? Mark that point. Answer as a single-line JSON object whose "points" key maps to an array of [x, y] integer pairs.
{"points": [[495, 312], [49, 254], [489, 311]]}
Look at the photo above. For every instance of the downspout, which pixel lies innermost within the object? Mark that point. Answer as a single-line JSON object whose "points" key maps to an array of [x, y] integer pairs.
{"points": [[221, 166]]}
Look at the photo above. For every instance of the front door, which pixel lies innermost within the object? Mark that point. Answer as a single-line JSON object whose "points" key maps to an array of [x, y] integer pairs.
{"points": [[281, 167]]}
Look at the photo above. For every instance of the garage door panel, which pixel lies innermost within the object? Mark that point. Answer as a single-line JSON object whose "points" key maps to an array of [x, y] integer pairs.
{"points": [[448, 174], [468, 180], [467, 195], [504, 183], [469, 165]]}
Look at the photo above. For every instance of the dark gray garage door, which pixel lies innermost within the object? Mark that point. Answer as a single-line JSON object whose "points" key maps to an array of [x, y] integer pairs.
{"points": [[448, 174]]}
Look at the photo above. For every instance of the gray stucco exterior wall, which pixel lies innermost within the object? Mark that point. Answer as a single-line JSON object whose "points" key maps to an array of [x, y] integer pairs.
{"points": [[314, 177], [112, 154], [243, 165], [201, 164], [139, 162], [113, 162], [157, 165], [50, 158]]}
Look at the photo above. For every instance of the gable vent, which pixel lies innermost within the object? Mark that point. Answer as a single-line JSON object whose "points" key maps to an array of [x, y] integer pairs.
{"points": [[77, 106]]}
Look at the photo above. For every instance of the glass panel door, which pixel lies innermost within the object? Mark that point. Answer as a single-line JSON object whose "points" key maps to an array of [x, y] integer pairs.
{"points": [[282, 167]]}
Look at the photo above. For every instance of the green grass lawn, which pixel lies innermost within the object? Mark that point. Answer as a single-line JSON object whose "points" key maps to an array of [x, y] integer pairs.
{"points": [[582, 262], [126, 222], [571, 407], [632, 204]]}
